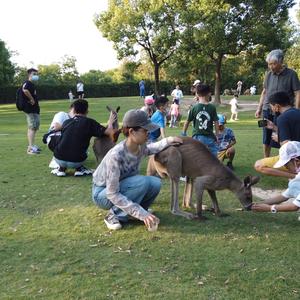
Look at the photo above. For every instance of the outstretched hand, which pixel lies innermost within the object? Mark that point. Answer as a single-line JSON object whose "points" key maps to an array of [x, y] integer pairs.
{"points": [[151, 220], [260, 207]]}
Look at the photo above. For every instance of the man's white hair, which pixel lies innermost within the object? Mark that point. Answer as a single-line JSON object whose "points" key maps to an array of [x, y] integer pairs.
{"points": [[275, 55]]}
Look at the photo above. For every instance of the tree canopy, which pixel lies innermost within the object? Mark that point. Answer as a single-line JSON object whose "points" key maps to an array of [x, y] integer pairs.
{"points": [[7, 68]]}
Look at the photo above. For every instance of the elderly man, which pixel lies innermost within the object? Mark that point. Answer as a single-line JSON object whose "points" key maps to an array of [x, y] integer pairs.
{"points": [[279, 78]]}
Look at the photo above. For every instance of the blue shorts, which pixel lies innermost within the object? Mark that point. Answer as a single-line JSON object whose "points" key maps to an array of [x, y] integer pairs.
{"points": [[267, 133], [209, 142]]}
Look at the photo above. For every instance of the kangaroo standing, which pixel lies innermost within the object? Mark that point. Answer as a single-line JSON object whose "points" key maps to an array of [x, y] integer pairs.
{"points": [[194, 160], [102, 145]]}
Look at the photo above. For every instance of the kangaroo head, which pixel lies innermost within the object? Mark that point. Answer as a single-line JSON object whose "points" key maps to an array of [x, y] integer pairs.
{"points": [[113, 118], [245, 192]]}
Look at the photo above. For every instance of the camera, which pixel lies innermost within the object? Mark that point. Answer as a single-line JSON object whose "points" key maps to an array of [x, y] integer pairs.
{"points": [[262, 123]]}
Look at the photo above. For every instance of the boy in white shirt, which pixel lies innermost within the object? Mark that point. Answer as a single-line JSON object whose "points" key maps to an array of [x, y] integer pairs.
{"points": [[177, 94], [234, 106]]}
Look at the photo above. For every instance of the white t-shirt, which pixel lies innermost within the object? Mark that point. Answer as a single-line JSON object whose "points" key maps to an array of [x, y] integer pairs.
{"points": [[79, 87], [177, 94], [233, 102], [293, 190], [59, 118]]}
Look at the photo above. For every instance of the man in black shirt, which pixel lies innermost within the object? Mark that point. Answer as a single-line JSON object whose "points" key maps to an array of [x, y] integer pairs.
{"points": [[76, 133], [31, 109], [287, 129]]}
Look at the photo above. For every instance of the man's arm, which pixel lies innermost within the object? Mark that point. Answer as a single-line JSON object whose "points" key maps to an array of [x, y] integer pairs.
{"points": [[260, 104], [29, 96], [297, 99], [162, 132], [185, 127]]}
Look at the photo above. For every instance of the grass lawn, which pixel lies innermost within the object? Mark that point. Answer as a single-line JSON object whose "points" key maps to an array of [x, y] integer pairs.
{"points": [[54, 244]]}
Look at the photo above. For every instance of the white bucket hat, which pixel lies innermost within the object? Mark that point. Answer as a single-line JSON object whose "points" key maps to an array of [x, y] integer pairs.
{"points": [[287, 152]]}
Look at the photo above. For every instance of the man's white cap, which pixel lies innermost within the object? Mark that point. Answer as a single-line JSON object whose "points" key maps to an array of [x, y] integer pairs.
{"points": [[287, 152], [197, 81]]}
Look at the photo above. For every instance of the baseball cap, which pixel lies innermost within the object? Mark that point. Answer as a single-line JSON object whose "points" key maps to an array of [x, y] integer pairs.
{"points": [[197, 81], [149, 100], [287, 152], [222, 119], [138, 118]]}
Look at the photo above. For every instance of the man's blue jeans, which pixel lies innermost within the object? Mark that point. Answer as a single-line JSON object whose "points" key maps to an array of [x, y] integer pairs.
{"points": [[139, 189]]}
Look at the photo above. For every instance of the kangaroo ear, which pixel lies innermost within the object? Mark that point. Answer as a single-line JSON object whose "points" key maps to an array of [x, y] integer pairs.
{"points": [[109, 108], [118, 108], [247, 181], [254, 180]]}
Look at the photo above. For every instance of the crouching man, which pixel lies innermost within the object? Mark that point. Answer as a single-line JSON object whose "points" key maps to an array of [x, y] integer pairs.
{"points": [[76, 133], [289, 156]]}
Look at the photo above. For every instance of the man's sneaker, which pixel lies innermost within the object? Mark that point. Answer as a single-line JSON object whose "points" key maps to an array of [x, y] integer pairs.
{"points": [[81, 171], [230, 166], [60, 172], [182, 179], [32, 150], [112, 222]]}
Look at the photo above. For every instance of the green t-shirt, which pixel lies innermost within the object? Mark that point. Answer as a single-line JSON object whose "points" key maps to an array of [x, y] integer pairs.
{"points": [[203, 117]]}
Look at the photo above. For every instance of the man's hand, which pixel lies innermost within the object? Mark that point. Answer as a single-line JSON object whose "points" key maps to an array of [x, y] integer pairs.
{"points": [[260, 207], [113, 134], [270, 125], [174, 140], [32, 102], [151, 220], [183, 133], [258, 113], [275, 137]]}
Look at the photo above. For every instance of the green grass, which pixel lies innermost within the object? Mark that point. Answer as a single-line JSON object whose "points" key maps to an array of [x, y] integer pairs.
{"points": [[54, 244]]}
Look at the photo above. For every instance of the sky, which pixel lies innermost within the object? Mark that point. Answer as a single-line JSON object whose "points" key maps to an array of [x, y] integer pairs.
{"points": [[43, 31]]}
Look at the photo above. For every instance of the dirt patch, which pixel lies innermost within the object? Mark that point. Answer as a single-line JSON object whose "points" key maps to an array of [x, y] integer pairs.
{"points": [[265, 194]]}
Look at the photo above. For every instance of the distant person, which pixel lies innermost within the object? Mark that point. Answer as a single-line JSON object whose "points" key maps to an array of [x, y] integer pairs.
{"points": [[287, 129], [193, 88], [80, 89], [289, 157], [142, 89], [253, 90], [159, 118], [177, 94], [31, 109], [226, 140], [117, 185], [239, 87], [174, 113], [234, 108], [149, 108], [204, 118], [76, 133], [279, 78], [71, 96]]}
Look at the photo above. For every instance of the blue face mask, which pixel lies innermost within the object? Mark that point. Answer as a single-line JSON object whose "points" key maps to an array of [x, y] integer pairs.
{"points": [[35, 77]]}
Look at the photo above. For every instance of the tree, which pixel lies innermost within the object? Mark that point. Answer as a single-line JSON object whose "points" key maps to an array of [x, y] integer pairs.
{"points": [[7, 69], [68, 69], [217, 29], [50, 74], [151, 25], [95, 77]]}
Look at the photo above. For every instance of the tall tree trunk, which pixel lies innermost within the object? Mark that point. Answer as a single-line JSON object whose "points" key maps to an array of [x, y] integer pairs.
{"points": [[218, 63], [156, 78]]}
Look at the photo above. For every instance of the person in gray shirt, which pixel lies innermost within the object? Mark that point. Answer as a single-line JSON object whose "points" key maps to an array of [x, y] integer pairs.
{"points": [[279, 78], [117, 185]]}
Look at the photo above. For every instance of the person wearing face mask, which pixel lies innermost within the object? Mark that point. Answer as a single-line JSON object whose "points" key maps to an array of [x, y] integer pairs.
{"points": [[31, 109], [279, 78], [289, 156], [287, 129], [159, 118]]}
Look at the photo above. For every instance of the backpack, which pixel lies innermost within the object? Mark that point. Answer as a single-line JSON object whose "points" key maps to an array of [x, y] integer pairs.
{"points": [[20, 99]]}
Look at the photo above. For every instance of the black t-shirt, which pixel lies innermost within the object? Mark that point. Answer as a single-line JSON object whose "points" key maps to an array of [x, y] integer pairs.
{"points": [[75, 138], [29, 108], [289, 125]]}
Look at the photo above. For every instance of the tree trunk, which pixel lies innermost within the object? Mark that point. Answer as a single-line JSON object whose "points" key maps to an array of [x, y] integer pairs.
{"points": [[218, 63], [156, 78]]}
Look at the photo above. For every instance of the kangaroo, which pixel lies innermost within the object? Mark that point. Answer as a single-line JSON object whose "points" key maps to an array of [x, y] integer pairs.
{"points": [[102, 145], [194, 160]]}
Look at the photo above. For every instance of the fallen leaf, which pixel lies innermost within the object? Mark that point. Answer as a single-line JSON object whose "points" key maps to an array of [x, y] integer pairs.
{"points": [[93, 245], [200, 283], [61, 209], [227, 281], [242, 250]]}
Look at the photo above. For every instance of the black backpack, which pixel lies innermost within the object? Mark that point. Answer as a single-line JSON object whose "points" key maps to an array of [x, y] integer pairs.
{"points": [[20, 103]]}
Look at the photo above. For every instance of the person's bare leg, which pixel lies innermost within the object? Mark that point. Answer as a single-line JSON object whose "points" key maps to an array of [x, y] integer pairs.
{"points": [[267, 150], [31, 137]]}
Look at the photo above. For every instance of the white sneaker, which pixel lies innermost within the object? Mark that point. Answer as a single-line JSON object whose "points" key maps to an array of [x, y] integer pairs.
{"points": [[182, 179], [53, 164], [60, 172], [81, 171], [112, 222]]}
